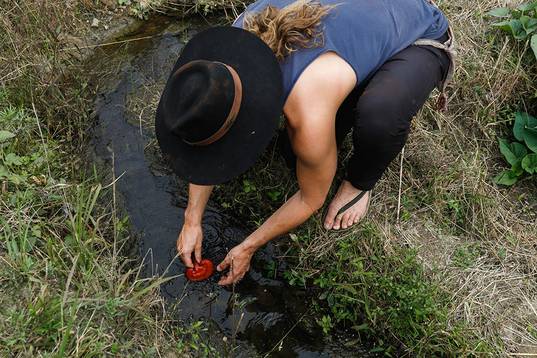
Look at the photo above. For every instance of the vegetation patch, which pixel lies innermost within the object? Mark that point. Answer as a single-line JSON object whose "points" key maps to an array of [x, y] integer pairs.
{"points": [[67, 286], [445, 263], [521, 154]]}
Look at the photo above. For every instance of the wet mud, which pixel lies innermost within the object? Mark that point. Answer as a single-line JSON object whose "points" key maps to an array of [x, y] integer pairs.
{"points": [[260, 315]]}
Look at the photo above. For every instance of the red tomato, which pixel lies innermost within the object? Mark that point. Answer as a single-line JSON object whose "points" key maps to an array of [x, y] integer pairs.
{"points": [[201, 271]]}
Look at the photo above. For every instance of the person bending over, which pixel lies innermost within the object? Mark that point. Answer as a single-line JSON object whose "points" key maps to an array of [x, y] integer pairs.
{"points": [[331, 67]]}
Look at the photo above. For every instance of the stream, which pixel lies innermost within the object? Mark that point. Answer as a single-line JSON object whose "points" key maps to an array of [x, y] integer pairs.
{"points": [[260, 316]]}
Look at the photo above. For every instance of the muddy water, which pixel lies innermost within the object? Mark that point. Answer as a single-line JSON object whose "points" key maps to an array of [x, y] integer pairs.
{"points": [[258, 316]]}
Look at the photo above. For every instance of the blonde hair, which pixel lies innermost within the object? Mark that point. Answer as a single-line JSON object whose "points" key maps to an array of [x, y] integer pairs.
{"points": [[287, 29]]}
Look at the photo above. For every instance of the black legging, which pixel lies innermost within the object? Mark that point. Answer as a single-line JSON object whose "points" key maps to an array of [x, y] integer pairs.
{"points": [[380, 111]]}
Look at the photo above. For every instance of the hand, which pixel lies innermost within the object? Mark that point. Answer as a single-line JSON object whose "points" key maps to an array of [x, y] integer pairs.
{"points": [[238, 261], [189, 241]]}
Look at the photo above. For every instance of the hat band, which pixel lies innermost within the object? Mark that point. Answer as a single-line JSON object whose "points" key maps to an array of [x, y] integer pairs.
{"points": [[233, 112]]}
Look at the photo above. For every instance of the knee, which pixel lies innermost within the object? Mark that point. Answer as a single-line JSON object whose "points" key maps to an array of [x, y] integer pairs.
{"points": [[380, 118]]}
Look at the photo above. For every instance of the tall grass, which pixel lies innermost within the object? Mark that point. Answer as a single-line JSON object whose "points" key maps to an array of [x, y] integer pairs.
{"points": [[468, 246], [444, 264], [67, 286]]}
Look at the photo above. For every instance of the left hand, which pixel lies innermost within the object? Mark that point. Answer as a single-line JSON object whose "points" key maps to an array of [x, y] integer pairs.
{"points": [[238, 262]]}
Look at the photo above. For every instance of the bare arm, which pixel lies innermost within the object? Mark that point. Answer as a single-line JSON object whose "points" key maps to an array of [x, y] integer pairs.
{"points": [[311, 112], [191, 235]]}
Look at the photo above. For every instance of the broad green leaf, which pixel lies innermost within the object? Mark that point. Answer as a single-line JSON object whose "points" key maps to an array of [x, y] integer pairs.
{"points": [[533, 44], [517, 169], [13, 159], [513, 152], [530, 137], [5, 135], [507, 178], [529, 25], [530, 133], [521, 120], [514, 27], [529, 163], [499, 12], [517, 29], [528, 6], [3, 172], [524, 21]]}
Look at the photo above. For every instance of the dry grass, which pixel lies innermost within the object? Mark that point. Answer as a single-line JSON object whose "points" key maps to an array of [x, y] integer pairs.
{"points": [[496, 292], [477, 240], [67, 287]]}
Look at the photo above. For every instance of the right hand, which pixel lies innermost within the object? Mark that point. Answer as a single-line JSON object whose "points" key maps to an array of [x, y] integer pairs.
{"points": [[189, 241]]}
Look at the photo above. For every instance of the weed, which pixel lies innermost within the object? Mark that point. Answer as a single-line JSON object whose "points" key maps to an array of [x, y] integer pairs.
{"points": [[466, 256], [67, 287], [387, 292], [522, 155], [521, 22]]}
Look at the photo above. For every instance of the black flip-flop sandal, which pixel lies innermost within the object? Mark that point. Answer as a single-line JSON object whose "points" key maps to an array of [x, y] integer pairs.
{"points": [[351, 203]]}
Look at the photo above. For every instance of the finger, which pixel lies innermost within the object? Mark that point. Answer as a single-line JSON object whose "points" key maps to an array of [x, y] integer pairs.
{"points": [[197, 252], [224, 264], [179, 246], [185, 254], [231, 279], [187, 259], [226, 280]]}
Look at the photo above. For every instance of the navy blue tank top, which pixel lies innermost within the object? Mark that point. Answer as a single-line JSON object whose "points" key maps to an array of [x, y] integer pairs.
{"points": [[365, 33]]}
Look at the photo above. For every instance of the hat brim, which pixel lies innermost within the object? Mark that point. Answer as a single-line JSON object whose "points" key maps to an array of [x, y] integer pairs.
{"points": [[256, 123]]}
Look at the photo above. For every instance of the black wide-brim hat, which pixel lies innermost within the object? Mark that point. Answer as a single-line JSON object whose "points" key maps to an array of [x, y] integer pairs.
{"points": [[200, 92]]}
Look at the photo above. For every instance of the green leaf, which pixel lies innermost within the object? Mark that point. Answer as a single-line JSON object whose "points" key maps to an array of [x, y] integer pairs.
{"points": [[525, 129], [530, 25], [514, 27], [527, 22], [521, 120], [503, 25], [499, 12], [517, 169], [517, 29], [13, 159], [529, 163], [530, 133], [528, 6], [5, 135], [533, 43], [513, 152], [3, 172], [507, 178]]}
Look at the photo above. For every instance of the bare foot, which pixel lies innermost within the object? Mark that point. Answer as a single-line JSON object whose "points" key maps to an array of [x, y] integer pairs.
{"points": [[351, 216]]}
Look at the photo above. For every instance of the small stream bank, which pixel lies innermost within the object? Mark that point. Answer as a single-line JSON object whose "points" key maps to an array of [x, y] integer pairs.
{"points": [[260, 314]]}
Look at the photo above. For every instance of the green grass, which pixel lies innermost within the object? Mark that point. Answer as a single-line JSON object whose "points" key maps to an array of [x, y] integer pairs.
{"points": [[452, 277], [455, 273], [67, 287]]}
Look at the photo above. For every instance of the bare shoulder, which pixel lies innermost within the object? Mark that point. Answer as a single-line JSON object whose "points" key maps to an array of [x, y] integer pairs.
{"points": [[312, 105], [320, 89]]}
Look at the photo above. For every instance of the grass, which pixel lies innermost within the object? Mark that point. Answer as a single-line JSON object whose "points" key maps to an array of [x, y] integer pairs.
{"points": [[458, 247], [67, 285], [444, 264], [446, 267]]}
